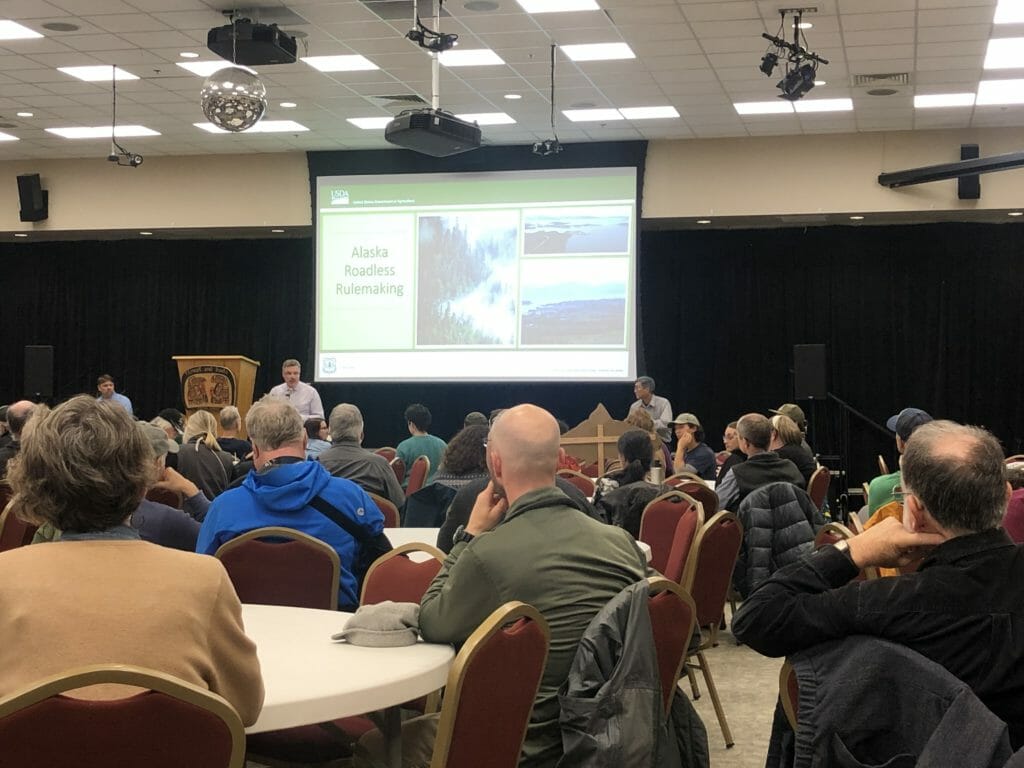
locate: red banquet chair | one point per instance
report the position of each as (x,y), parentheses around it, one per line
(387,452)
(658,525)
(398,467)
(395,576)
(418,474)
(817,486)
(388,509)
(580,480)
(703,493)
(672,615)
(14,532)
(836,532)
(682,541)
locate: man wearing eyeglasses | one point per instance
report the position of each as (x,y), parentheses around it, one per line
(963,607)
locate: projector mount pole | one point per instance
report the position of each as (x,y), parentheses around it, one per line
(435,73)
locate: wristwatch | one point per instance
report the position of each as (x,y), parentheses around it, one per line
(462,535)
(844,547)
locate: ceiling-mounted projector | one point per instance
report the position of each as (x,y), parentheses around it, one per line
(432,132)
(251,43)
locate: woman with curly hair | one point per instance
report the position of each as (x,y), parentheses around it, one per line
(465,458)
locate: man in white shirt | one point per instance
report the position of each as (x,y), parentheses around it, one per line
(302,397)
(658,408)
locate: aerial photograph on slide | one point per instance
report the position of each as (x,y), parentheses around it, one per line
(576,230)
(578,301)
(467,277)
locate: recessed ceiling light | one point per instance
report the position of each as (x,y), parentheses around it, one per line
(648,113)
(1004,53)
(513,96)
(145,233)
(703,221)
(471,57)
(348,63)
(288,105)
(592,115)
(189,55)
(487,118)
(928,100)
(1009,12)
(780,107)
(102,132)
(12,30)
(25,114)
(558,6)
(819,83)
(824,105)
(805,25)
(98,73)
(264,126)
(207,68)
(1015,213)
(598,51)
(856,218)
(1000,92)
(20,234)
(277,231)
(369,123)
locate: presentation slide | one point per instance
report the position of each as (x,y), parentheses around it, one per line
(509,276)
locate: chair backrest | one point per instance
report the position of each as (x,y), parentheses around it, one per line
(490,690)
(883,468)
(395,576)
(855,523)
(708,572)
(387,452)
(14,532)
(172,723)
(388,509)
(682,477)
(398,467)
(789,693)
(300,571)
(672,615)
(836,532)
(1015,459)
(165,496)
(682,541)
(590,470)
(817,486)
(703,493)
(581,481)
(658,525)
(418,474)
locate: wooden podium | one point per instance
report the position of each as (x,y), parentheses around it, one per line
(209,382)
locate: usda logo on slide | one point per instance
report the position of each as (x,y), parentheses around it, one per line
(339,197)
(328,365)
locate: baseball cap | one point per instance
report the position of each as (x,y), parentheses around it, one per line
(686,418)
(794,411)
(906,421)
(157,438)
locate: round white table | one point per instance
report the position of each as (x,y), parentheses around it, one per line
(310,678)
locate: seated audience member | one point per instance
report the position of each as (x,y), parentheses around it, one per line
(316,437)
(475,418)
(1013,520)
(230,424)
(108,596)
(5,433)
(105,387)
(420,442)
(621,496)
(285,490)
(347,458)
(200,459)
(761,467)
(787,441)
(903,424)
(731,441)
(964,605)
(167,427)
(796,413)
(642,420)
(18,415)
(525,541)
(465,458)
(176,419)
(692,454)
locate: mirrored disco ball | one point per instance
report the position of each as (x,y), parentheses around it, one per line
(234,99)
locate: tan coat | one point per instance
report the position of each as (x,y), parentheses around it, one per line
(67,604)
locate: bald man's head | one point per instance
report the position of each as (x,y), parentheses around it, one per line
(18,415)
(522,448)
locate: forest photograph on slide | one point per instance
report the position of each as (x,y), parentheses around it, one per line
(467,278)
(574,301)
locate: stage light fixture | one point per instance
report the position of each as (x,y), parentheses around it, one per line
(797,82)
(801,64)
(768,63)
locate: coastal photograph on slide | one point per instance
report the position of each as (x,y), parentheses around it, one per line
(576,230)
(467,278)
(577,301)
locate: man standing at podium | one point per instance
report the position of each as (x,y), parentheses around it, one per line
(301,396)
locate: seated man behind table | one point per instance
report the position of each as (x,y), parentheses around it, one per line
(100,594)
(525,542)
(761,467)
(964,606)
(347,458)
(280,489)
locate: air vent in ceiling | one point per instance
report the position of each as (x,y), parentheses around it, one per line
(882,80)
(400,10)
(404,98)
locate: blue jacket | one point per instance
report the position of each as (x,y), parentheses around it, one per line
(281,496)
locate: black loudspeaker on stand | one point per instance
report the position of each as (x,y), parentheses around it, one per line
(39,372)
